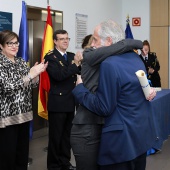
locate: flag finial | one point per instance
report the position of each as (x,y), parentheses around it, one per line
(127,20)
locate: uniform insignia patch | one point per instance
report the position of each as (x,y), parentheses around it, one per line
(61,63)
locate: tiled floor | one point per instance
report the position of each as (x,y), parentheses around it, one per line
(159,161)
(37,153)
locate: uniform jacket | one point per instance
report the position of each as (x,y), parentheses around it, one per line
(127,131)
(92,59)
(153,63)
(62,75)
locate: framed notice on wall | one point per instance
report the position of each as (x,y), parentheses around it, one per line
(5,21)
(81,28)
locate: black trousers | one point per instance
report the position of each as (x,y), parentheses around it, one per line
(14,147)
(59,148)
(138,163)
(85,140)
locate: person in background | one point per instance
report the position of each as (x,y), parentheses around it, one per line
(87,41)
(63,68)
(123,136)
(16,83)
(152,64)
(87,127)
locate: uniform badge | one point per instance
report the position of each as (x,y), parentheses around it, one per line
(61,63)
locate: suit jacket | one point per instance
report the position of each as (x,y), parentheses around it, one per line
(92,59)
(62,75)
(153,63)
(127,131)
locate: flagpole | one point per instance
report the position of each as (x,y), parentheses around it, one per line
(47,2)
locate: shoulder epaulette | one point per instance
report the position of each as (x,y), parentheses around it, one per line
(153,53)
(50,52)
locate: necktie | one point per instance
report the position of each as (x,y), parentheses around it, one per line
(65,56)
(146,59)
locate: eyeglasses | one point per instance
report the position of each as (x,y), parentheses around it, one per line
(11,44)
(63,39)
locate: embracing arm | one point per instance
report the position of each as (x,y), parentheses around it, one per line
(96,56)
(104,101)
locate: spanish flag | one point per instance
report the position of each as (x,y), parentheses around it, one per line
(44,85)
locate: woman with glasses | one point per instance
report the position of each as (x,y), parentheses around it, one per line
(16,82)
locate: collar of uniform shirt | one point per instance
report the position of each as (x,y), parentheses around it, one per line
(61,52)
(145,56)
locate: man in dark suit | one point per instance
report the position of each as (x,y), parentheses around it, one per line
(87,127)
(63,68)
(126,134)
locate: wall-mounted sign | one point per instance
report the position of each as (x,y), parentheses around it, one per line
(5,21)
(81,28)
(136,21)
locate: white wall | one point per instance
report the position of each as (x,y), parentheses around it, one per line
(137,8)
(97,11)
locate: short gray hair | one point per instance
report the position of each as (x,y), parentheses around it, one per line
(110,29)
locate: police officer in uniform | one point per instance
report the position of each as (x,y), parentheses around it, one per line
(152,64)
(63,68)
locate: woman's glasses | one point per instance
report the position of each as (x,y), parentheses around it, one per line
(12,44)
